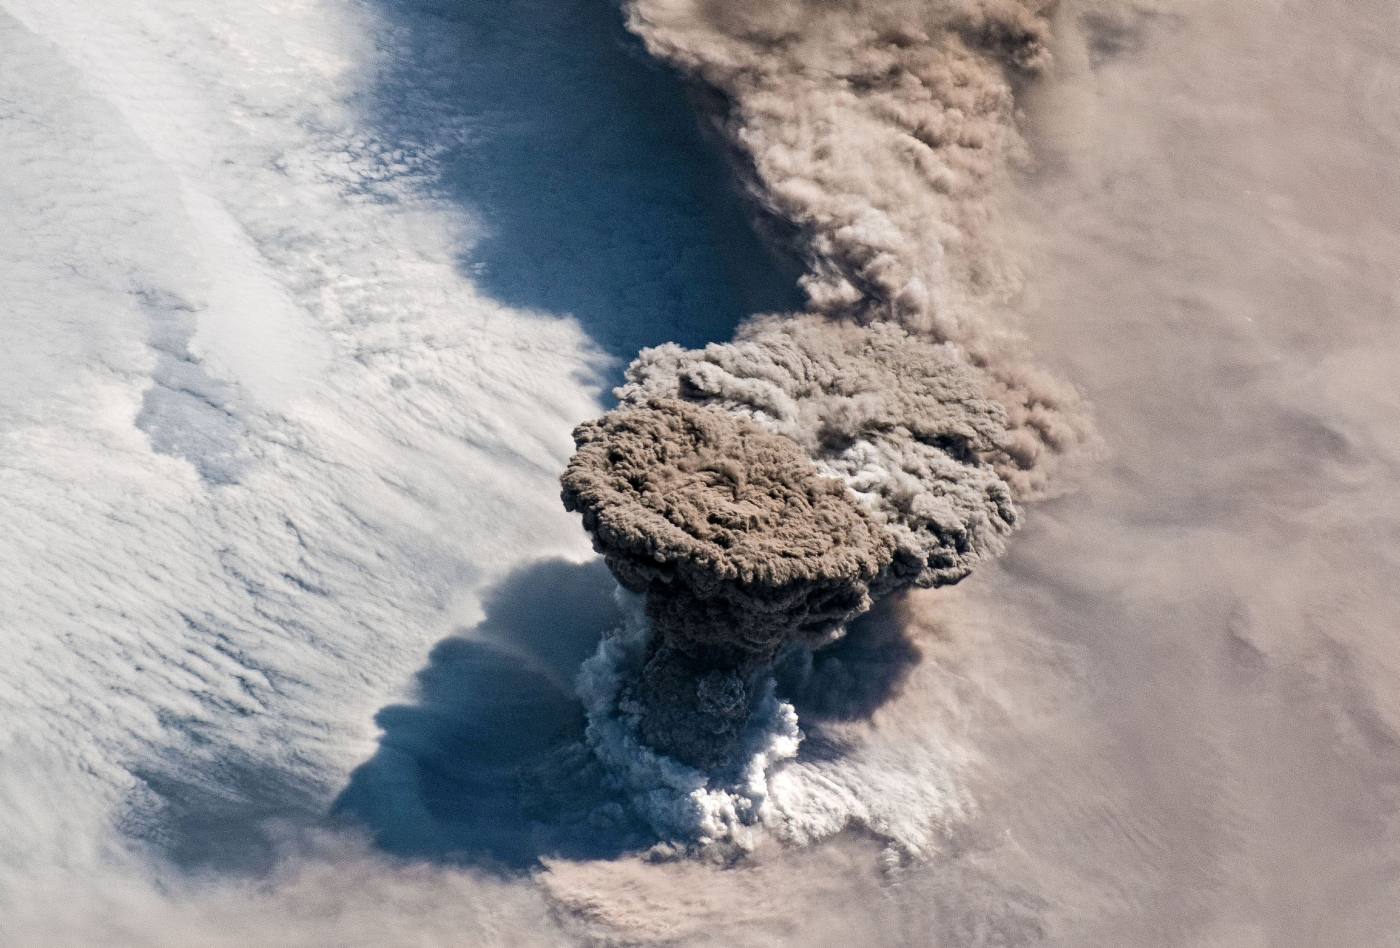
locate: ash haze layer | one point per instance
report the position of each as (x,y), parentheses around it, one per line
(301,302)
(873,134)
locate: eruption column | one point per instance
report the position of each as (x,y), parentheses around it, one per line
(738,543)
(762,492)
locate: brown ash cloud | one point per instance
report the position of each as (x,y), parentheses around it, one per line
(740,546)
(764,491)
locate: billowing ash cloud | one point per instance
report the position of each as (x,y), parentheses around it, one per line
(762,492)
(903,421)
(740,545)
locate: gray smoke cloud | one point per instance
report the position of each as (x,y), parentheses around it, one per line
(764,491)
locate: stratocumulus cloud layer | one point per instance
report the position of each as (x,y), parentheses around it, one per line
(302,302)
(267,435)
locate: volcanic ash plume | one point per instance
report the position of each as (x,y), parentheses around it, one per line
(762,492)
(727,527)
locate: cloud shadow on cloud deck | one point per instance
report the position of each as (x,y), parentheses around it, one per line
(599,194)
(853,677)
(486,767)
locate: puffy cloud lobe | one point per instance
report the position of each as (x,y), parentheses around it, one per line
(905,422)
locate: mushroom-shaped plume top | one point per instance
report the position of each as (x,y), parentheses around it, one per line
(738,540)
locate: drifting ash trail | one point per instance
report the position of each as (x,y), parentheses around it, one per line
(763,492)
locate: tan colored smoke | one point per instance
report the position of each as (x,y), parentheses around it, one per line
(761,491)
(905,422)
